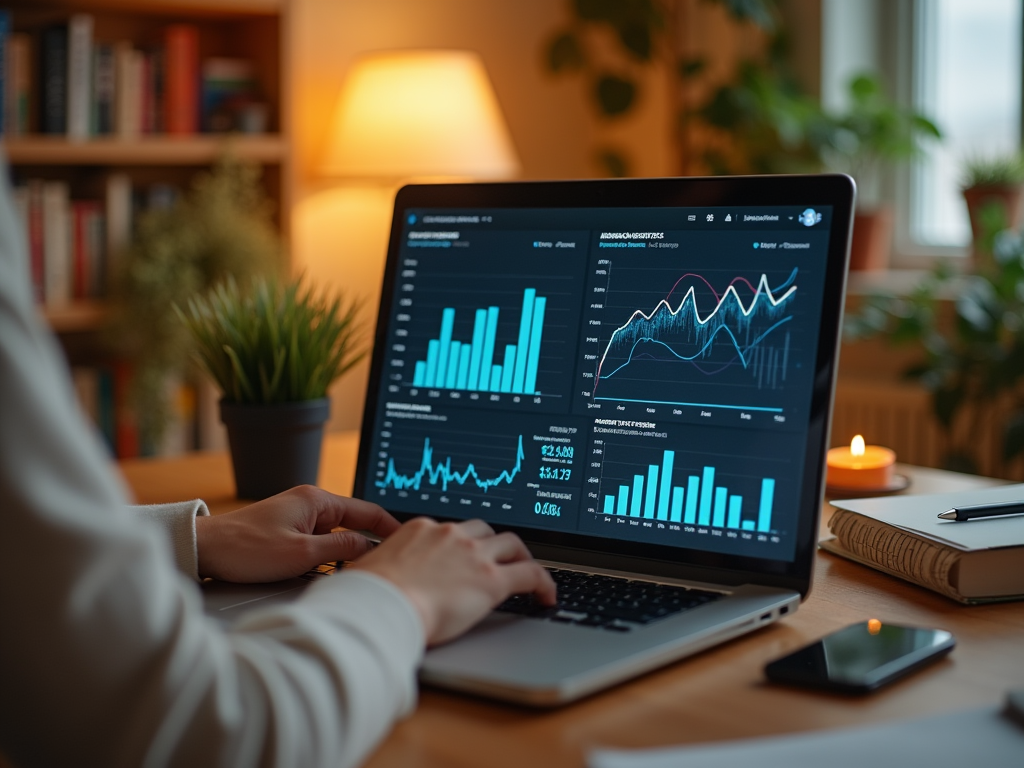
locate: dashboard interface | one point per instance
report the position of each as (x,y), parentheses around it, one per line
(640,374)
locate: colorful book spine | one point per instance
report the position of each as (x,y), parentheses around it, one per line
(96,247)
(17,85)
(35,239)
(129,67)
(119,218)
(181,87)
(58,279)
(79,76)
(54,80)
(126,431)
(103,90)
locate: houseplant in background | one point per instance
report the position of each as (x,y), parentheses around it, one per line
(221,227)
(274,350)
(871,135)
(988,181)
(970,331)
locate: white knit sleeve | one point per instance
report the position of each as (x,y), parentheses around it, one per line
(179,523)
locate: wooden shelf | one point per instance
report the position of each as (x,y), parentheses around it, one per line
(155,150)
(78,317)
(160,7)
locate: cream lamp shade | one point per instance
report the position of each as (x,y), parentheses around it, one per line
(414,114)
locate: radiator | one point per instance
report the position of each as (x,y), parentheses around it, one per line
(899,416)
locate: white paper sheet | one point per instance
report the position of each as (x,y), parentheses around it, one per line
(982,738)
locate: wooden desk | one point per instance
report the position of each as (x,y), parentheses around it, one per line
(719,694)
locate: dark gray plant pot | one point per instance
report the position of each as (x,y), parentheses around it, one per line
(274,447)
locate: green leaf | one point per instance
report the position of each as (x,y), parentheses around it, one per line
(565,53)
(614,95)
(865,87)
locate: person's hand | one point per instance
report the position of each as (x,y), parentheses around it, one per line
(286,535)
(455,573)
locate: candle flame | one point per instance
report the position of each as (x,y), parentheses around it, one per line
(857,446)
(874,626)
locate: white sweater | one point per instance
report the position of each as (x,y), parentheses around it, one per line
(106,658)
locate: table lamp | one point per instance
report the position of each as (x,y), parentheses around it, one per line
(419,114)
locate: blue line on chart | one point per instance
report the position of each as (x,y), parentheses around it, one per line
(702,349)
(443,472)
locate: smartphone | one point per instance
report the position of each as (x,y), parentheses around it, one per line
(861,657)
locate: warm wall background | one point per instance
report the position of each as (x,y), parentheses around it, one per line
(339,230)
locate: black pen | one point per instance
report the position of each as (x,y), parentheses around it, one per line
(978,511)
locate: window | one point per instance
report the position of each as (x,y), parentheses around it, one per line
(967,78)
(958,62)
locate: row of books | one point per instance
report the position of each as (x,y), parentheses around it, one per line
(62,81)
(103,393)
(73,243)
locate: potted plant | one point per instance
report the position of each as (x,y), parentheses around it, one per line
(273,350)
(970,331)
(995,181)
(873,132)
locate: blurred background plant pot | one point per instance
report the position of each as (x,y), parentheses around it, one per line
(872,239)
(1007,197)
(274,447)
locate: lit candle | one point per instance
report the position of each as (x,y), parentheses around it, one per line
(861,466)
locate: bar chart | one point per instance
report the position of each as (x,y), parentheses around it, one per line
(701,501)
(473,365)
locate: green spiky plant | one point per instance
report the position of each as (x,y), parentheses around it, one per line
(274,343)
(982,171)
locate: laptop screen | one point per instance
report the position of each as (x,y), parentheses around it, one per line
(638,374)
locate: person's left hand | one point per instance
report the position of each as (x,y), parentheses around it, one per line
(286,535)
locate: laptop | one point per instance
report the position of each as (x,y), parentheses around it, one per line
(636,377)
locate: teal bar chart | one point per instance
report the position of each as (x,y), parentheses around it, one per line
(475,365)
(651,496)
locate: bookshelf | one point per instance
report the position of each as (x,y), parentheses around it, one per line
(150,148)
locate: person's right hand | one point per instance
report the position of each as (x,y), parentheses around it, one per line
(455,573)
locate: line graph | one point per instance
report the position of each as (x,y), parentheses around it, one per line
(705,335)
(687,327)
(441,473)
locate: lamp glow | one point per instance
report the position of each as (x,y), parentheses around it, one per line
(419,114)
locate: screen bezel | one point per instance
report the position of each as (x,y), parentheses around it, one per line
(835,190)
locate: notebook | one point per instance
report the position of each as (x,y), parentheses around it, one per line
(636,377)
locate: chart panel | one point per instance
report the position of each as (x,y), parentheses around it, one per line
(670,330)
(517,471)
(491,318)
(687,485)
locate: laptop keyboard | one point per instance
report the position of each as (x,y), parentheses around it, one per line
(324,569)
(608,602)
